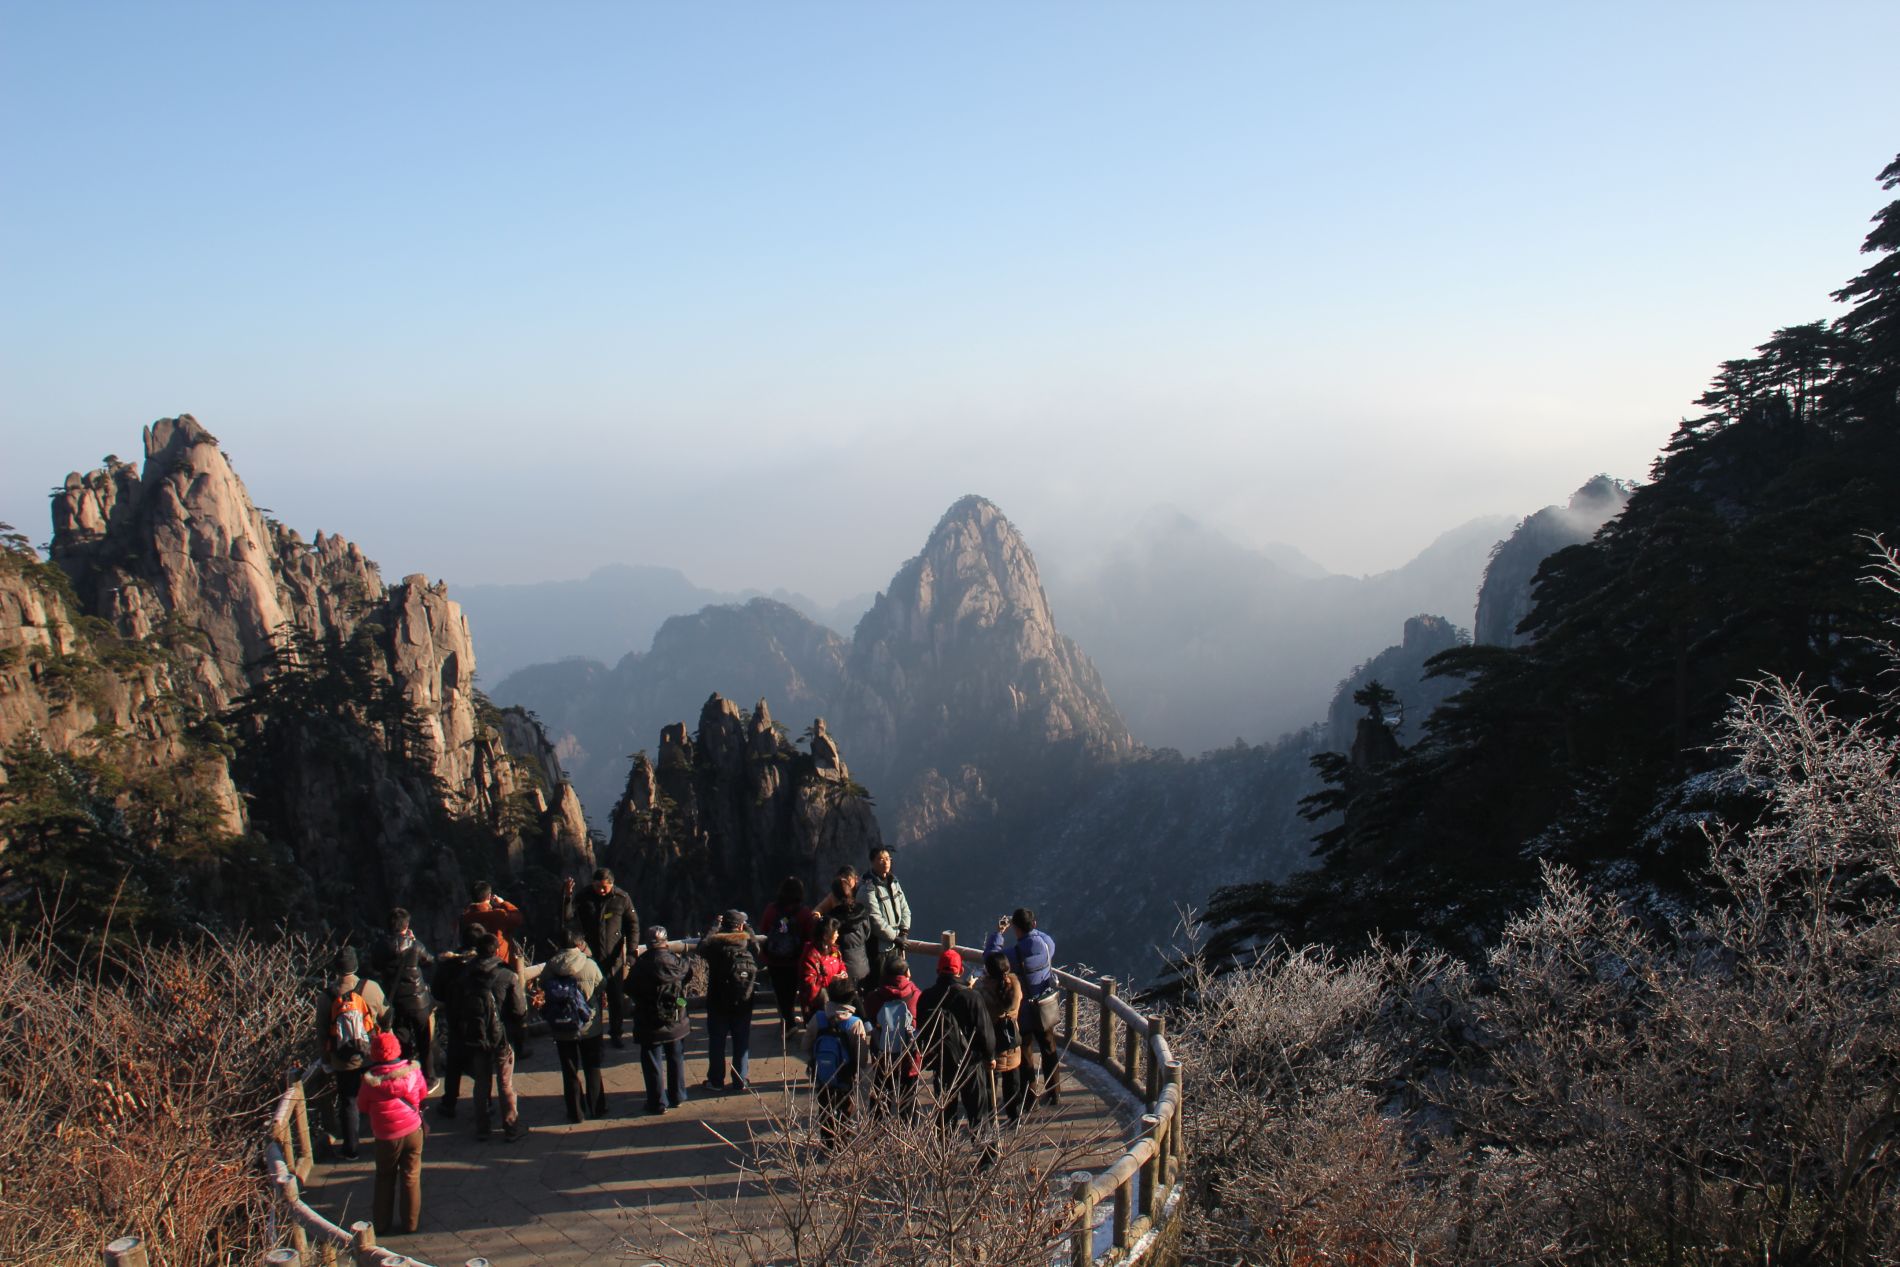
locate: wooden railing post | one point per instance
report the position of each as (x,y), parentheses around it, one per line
(1082,1244)
(1123,1214)
(127,1251)
(1151,1169)
(1131,1058)
(1071,1015)
(1178,1137)
(363,1244)
(949,938)
(1106,1048)
(1157,1029)
(304,1152)
(299,1239)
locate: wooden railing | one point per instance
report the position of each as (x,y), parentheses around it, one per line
(288,1156)
(1142,1189)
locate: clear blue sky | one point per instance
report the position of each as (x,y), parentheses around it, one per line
(504,291)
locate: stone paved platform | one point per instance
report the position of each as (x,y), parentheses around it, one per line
(587,1193)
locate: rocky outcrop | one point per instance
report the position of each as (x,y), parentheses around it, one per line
(718,820)
(961,655)
(1505,598)
(335,716)
(1401,670)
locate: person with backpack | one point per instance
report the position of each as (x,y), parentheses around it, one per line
(450,968)
(492,1013)
(658,984)
(889,910)
(604,916)
(835,1043)
(391,1098)
(398,960)
(787,926)
(1033,960)
(349,1013)
(958,1036)
(1002,997)
(501,919)
(820,965)
(854,926)
(732,977)
(571,998)
(896,1062)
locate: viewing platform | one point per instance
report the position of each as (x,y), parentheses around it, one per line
(631,1186)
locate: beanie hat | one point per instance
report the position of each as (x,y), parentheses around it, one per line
(949,964)
(383,1048)
(732,921)
(345,962)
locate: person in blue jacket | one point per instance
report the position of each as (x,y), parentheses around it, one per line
(1033,960)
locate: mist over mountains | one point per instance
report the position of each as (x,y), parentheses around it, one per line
(611,612)
(1202,640)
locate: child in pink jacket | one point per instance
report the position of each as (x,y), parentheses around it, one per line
(391,1101)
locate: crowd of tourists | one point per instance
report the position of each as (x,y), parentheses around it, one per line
(839,978)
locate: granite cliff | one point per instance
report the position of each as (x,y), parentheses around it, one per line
(719,817)
(330,718)
(1505,598)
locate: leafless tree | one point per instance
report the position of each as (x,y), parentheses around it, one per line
(889,1192)
(134,1094)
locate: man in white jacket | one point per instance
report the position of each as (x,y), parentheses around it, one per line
(890,911)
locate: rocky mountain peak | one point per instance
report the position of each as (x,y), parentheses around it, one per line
(1505,598)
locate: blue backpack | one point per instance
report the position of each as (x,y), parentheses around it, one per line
(832,1058)
(565,1008)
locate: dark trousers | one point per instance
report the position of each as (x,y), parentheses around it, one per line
(348,1119)
(409,1021)
(968,1092)
(785,985)
(1043,1054)
(614,986)
(736,1026)
(894,1091)
(492,1071)
(398,1160)
(1013,1092)
(837,1105)
(454,1065)
(674,1054)
(580,1061)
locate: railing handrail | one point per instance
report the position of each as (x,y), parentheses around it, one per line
(1144,1183)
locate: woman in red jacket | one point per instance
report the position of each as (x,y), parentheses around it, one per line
(391,1098)
(820,965)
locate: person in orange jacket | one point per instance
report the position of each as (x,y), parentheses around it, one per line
(498,916)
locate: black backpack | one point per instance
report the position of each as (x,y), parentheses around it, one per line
(478,1024)
(737,980)
(784,942)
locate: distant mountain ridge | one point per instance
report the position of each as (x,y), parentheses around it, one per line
(612,612)
(1202,640)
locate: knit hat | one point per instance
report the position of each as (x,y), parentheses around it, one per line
(384,1048)
(949,964)
(732,921)
(345,962)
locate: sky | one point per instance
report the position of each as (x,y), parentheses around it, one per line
(509,292)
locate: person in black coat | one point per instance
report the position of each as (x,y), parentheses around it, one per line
(854,926)
(958,1040)
(493,1015)
(397,961)
(658,983)
(604,916)
(732,974)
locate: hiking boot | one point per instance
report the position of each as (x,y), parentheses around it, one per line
(513,1132)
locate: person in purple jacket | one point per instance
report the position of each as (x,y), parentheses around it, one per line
(391,1100)
(1033,960)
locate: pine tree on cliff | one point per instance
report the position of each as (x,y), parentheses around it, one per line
(1743,556)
